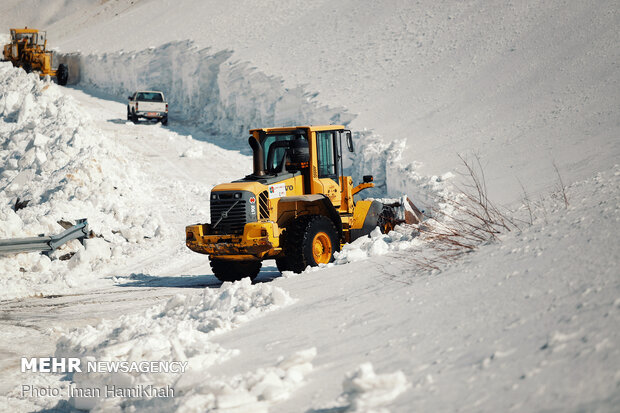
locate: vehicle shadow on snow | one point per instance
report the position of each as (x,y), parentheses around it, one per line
(180,281)
(267,274)
(121,121)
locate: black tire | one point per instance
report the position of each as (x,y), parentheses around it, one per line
(164,120)
(27,67)
(134,117)
(300,241)
(234,270)
(62,74)
(128,114)
(283,264)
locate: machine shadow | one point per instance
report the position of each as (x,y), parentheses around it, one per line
(266,275)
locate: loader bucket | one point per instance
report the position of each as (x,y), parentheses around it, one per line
(402,211)
(412,213)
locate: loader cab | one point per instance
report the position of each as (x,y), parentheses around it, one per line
(315,152)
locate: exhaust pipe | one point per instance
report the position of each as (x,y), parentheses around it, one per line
(259,156)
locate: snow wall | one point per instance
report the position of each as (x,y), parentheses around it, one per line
(227,98)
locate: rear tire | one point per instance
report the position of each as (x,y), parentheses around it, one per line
(164,121)
(134,117)
(309,240)
(62,74)
(234,270)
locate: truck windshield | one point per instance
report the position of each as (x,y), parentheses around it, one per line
(274,161)
(149,97)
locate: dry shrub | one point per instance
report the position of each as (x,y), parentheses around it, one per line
(474,220)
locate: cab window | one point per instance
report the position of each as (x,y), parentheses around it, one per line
(327,155)
(278,152)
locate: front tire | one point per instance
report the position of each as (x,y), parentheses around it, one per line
(310,240)
(134,117)
(225,270)
(283,264)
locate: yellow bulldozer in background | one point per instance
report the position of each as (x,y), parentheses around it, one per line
(28,50)
(296,207)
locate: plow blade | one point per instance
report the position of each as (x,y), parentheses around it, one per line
(402,211)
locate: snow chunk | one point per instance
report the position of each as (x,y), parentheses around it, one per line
(95,249)
(364,391)
(40,139)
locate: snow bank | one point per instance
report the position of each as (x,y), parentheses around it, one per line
(393,177)
(207,87)
(229,97)
(51,156)
(181,330)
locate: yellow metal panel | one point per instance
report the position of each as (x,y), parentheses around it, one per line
(346,183)
(24,31)
(362,186)
(359,215)
(332,190)
(313,128)
(258,239)
(254,187)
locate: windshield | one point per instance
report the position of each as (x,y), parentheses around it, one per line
(274,160)
(30,38)
(149,97)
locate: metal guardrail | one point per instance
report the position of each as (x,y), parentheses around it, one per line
(45,244)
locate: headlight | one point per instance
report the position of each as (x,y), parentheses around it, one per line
(213,196)
(237,195)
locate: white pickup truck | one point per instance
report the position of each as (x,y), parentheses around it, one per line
(147,104)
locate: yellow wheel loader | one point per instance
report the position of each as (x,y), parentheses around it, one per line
(296,207)
(28,50)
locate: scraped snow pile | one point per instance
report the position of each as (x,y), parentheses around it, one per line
(181,330)
(365,391)
(52,157)
(400,239)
